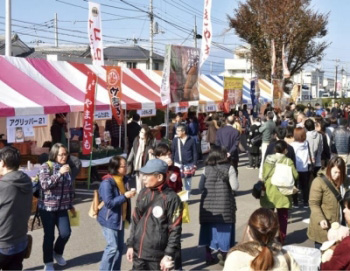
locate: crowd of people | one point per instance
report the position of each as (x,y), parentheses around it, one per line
(302,157)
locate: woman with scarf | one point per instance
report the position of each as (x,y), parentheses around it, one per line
(141,152)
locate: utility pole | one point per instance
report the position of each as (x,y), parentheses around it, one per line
(8,40)
(336,79)
(151,34)
(195,32)
(56,31)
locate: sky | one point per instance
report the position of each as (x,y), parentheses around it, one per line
(124,21)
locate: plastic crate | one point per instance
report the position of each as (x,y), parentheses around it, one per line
(309,259)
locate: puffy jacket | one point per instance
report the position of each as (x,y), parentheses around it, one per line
(341,140)
(110,216)
(156,223)
(218,204)
(15,204)
(316,146)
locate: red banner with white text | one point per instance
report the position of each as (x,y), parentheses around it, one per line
(114,87)
(89,110)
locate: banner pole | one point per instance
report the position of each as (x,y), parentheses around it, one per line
(93,136)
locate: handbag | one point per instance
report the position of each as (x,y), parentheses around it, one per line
(256,140)
(185,213)
(95,206)
(258,187)
(29,247)
(187,171)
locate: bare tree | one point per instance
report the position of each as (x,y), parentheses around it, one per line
(288,22)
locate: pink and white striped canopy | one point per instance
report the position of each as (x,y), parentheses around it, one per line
(37,86)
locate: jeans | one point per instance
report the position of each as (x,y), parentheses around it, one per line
(61,221)
(12,262)
(188,181)
(112,255)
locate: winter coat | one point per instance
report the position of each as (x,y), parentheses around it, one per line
(301,155)
(324,206)
(156,224)
(271,150)
(110,215)
(218,204)
(150,145)
(273,198)
(212,131)
(229,138)
(254,131)
(316,146)
(341,140)
(15,206)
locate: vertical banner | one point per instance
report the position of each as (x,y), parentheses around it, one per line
(95,34)
(206,32)
(295,93)
(184,76)
(114,87)
(273,59)
(233,90)
(252,92)
(88,118)
(286,73)
(165,86)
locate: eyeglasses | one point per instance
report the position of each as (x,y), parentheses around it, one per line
(62,154)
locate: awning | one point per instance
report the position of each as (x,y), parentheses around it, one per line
(37,86)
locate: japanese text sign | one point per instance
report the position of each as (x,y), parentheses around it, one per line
(181,109)
(146,112)
(95,34)
(24,121)
(88,118)
(103,114)
(114,87)
(206,32)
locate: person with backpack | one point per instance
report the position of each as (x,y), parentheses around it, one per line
(55,199)
(279,197)
(115,213)
(15,207)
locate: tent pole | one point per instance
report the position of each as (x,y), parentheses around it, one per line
(167,122)
(125,131)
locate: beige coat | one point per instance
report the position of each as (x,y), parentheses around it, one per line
(240,261)
(324,206)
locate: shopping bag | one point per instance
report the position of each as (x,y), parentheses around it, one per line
(74,218)
(185,213)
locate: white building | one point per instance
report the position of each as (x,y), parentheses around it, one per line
(240,65)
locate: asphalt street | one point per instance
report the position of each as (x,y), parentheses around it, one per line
(85,247)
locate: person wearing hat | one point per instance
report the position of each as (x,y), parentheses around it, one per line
(156,222)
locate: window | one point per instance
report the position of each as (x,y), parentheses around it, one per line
(131,65)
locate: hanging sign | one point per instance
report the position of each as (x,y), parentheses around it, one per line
(146,113)
(211,108)
(114,87)
(22,121)
(95,34)
(103,114)
(88,119)
(181,109)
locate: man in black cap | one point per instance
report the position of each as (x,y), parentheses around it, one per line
(156,222)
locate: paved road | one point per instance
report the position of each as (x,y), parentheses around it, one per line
(85,247)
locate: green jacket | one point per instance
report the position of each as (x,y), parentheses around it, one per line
(323,206)
(273,198)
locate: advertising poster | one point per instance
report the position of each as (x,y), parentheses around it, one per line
(184,73)
(233,90)
(88,118)
(114,87)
